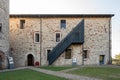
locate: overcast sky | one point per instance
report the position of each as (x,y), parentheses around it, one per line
(73,7)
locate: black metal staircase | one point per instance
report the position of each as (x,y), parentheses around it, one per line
(75,36)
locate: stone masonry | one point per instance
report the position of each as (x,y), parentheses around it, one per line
(97,38)
(4,33)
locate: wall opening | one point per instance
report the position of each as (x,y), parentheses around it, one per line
(57,37)
(30,60)
(2,58)
(22,24)
(0,62)
(48,51)
(102,59)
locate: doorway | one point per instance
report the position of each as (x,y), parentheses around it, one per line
(30,60)
(102,59)
(0,62)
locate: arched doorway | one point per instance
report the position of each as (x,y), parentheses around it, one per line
(30,60)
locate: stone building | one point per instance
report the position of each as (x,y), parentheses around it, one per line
(4,33)
(60,39)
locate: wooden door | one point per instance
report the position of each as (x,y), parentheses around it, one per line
(30,60)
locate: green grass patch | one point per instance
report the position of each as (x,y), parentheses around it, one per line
(105,73)
(27,74)
(56,68)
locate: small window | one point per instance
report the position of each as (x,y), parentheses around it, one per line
(36,37)
(68,54)
(57,37)
(63,24)
(85,55)
(22,24)
(0,27)
(48,51)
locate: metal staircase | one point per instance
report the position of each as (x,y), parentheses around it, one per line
(75,36)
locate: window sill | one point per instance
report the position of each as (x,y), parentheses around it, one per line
(85,59)
(68,59)
(36,42)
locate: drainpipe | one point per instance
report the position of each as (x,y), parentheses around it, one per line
(83,45)
(40,40)
(82,54)
(110,60)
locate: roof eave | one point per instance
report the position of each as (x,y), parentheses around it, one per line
(58,15)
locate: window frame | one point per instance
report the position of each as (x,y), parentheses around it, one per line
(70,57)
(63,24)
(85,54)
(22,24)
(56,40)
(35,37)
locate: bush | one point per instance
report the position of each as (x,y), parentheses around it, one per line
(116,61)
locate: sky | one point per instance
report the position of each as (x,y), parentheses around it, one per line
(73,7)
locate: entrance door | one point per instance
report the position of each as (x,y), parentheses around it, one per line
(0,62)
(30,60)
(102,59)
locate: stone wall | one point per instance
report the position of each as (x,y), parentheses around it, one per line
(96,43)
(96,39)
(76,53)
(51,26)
(22,40)
(4,33)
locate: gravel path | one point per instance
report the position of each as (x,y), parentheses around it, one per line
(55,73)
(5,70)
(61,74)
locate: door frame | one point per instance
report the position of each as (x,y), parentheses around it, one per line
(102,59)
(0,62)
(30,57)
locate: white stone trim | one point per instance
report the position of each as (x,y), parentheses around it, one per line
(36,32)
(28,54)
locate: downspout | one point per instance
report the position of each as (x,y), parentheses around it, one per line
(82,54)
(83,46)
(110,60)
(40,40)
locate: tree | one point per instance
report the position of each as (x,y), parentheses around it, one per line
(117,56)
(117,59)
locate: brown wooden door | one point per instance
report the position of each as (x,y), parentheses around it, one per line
(30,59)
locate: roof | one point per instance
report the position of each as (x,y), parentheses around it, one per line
(58,15)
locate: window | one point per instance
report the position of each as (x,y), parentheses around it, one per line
(48,51)
(85,54)
(22,24)
(68,54)
(36,37)
(57,37)
(0,27)
(63,24)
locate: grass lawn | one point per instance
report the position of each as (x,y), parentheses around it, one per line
(105,73)
(27,74)
(56,68)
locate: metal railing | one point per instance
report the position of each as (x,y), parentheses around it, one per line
(75,36)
